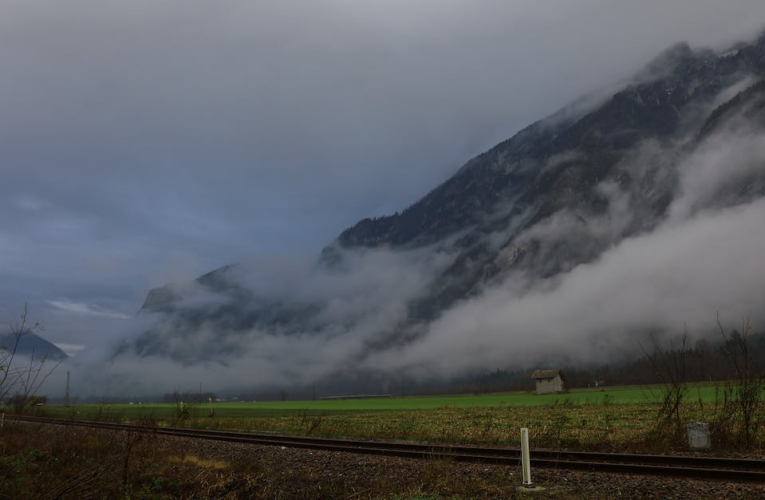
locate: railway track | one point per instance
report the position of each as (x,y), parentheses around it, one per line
(708,468)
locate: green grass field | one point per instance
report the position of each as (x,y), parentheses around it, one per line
(611,419)
(611,395)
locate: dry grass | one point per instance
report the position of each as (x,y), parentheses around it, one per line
(47,462)
(198,462)
(601,427)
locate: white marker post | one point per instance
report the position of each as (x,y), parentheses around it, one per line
(525,460)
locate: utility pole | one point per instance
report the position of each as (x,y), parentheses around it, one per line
(66,393)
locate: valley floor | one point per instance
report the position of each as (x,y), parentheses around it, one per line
(615,419)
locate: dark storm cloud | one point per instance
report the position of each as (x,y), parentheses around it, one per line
(150,141)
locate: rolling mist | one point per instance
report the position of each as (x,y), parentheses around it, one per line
(592,284)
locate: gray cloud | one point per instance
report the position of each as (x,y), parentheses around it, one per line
(704,258)
(148,142)
(695,263)
(85,309)
(682,273)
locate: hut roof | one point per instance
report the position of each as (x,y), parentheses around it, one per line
(544,374)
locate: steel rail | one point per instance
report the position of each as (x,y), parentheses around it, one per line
(726,469)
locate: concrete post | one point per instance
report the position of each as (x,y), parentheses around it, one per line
(525,459)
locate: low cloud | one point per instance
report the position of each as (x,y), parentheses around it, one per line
(70,349)
(85,309)
(704,257)
(682,273)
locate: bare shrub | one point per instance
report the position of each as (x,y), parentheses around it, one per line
(184,409)
(20,380)
(670,367)
(737,412)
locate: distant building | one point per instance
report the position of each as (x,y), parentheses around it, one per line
(356,396)
(549,381)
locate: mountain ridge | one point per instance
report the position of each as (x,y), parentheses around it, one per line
(597,176)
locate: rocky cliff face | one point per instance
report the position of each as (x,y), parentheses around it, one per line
(554,196)
(559,167)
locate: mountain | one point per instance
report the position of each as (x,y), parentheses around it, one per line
(31,343)
(556,165)
(557,195)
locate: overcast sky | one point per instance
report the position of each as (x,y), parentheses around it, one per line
(149,141)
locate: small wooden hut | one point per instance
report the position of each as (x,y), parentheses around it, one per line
(549,381)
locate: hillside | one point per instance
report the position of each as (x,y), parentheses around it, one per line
(30,344)
(557,195)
